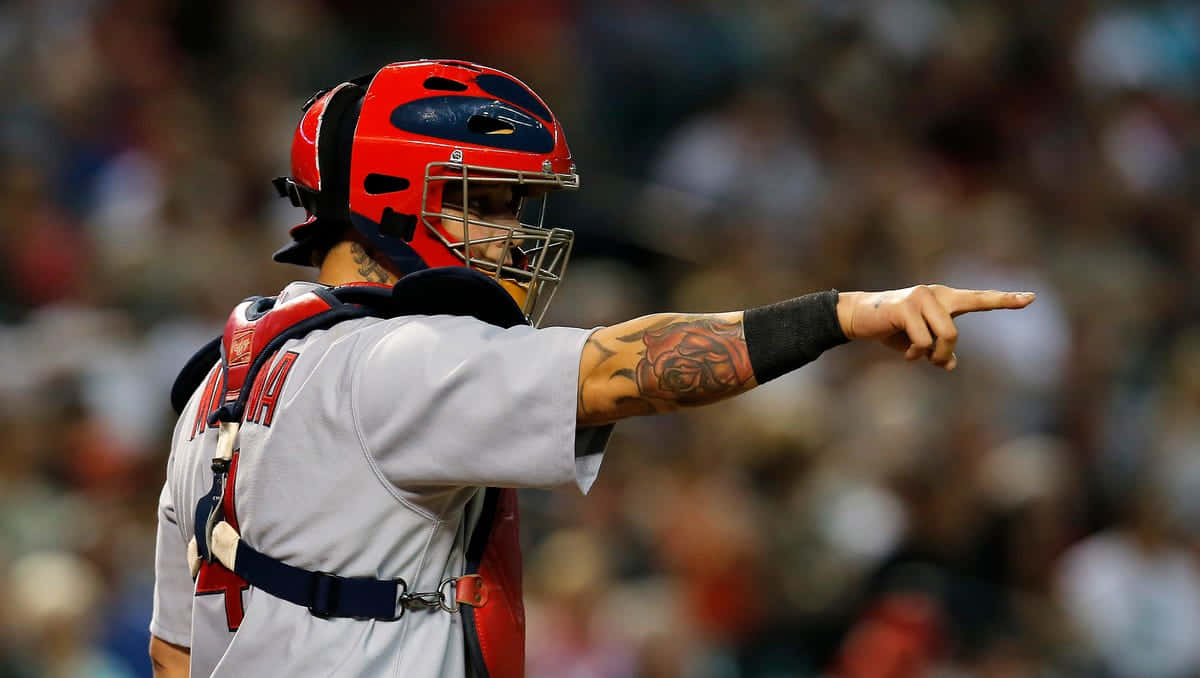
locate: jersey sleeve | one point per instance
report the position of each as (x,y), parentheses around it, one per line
(172,618)
(452,401)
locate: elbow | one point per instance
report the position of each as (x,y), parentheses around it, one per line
(169,660)
(601,403)
(592,408)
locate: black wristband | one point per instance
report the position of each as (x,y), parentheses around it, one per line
(784,336)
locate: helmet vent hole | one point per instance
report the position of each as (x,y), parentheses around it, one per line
(445,84)
(483,125)
(384,183)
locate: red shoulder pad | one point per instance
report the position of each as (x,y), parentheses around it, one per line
(247,334)
(286,315)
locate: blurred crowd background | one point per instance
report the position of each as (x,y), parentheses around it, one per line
(1034,513)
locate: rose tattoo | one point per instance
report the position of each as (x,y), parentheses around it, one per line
(693,358)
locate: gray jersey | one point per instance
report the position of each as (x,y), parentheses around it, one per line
(360,457)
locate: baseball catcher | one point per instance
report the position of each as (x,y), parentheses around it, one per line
(340,494)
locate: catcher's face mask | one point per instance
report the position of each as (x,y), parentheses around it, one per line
(487,223)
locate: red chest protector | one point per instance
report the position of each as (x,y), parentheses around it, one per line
(488,596)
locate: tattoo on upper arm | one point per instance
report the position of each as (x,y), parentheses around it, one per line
(367,267)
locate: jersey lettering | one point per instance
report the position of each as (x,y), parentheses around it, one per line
(213,579)
(267,391)
(256,391)
(207,403)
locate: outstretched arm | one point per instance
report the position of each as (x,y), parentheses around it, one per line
(662,362)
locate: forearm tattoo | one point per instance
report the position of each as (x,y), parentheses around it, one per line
(680,360)
(367,267)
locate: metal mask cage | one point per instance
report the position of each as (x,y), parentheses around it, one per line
(544,251)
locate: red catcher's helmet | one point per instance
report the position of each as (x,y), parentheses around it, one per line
(374,154)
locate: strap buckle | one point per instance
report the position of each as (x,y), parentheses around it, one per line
(453,606)
(423,600)
(325,595)
(445,598)
(401,595)
(469,590)
(216,512)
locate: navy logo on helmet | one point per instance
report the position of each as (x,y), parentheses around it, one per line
(475,120)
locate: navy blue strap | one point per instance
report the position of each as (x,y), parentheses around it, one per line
(204,509)
(325,595)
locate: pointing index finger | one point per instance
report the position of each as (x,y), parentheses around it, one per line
(969,301)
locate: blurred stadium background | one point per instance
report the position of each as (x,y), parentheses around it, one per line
(1032,514)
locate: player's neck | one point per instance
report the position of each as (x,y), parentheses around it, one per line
(349,262)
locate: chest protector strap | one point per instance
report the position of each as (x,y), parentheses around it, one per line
(488,594)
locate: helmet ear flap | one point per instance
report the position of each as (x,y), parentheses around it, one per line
(321,184)
(335,140)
